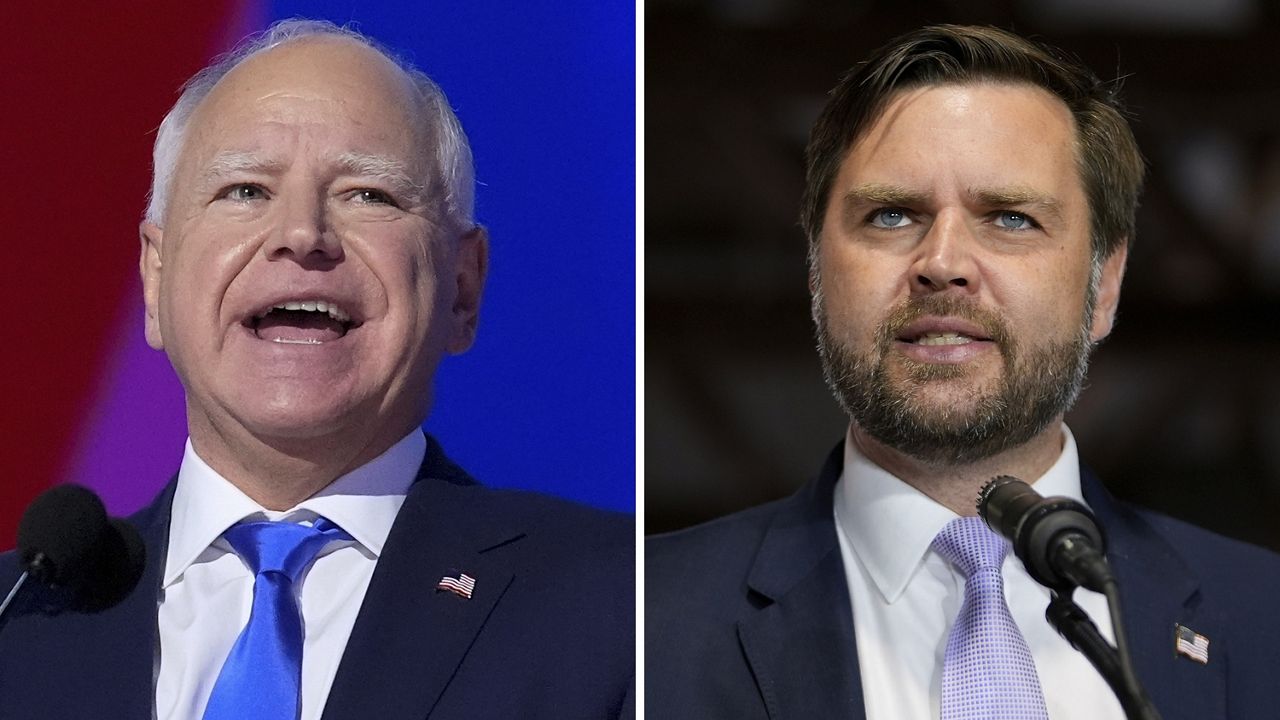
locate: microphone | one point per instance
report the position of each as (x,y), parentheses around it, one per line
(1056,538)
(66,541)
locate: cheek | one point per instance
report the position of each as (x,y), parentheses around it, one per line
(197,278)
(408,272)
(184,292)
(1047,299)
(858,291)
(434,297)
(1070,280)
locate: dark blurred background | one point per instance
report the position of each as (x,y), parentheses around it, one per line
(1181,413)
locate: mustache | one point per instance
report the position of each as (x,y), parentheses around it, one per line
(915,308)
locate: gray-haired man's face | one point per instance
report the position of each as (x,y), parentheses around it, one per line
(303,283)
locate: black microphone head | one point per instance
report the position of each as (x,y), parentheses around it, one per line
(1056,517)
(1034,523)
(118,568)
(59,532)
(1004,501)
(66,540)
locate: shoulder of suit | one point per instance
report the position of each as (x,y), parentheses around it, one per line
(1214,555)
(10,569)
(554,520)
(1234,580)
(712,535)
(711,557)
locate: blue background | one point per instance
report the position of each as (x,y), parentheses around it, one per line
(546,93)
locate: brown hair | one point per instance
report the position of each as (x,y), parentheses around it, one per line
(1111,165)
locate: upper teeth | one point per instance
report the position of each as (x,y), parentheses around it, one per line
(334,311)
(943,338)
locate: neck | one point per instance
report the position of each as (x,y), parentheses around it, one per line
(956,486)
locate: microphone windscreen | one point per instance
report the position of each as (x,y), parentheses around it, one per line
(119,567)
(59,533)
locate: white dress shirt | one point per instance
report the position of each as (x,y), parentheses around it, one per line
(207,589)
(906,597)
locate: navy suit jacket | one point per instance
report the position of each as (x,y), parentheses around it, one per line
(548,632)
(749,616)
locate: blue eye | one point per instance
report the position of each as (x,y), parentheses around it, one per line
(1010,220)
(244,192)
(890,218)
(374,197)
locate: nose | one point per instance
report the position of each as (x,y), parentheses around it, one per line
(945,259)
(304,234)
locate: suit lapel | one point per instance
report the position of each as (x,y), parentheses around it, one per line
(1159,591)
(799,643)
(134,640)
(409,637)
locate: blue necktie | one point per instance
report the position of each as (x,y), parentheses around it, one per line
(262,676)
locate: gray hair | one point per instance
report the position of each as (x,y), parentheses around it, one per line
(455,174)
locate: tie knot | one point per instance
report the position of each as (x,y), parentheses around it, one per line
(971,546)
(281,546)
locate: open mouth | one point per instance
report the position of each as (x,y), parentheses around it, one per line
(303,322)
(943,338)
(942,332)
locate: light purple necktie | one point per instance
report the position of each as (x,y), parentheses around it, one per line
(987,671)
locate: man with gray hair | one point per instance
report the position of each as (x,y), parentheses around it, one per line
(308,257)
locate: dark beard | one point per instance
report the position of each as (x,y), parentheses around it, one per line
(1038,385)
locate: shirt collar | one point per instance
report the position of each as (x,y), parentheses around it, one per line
(891,525)
(364,503)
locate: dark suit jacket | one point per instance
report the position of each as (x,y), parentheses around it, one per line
(548,633)
(749,616)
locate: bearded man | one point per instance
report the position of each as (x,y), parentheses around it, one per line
(970,199)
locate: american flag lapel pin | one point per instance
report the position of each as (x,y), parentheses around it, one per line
(461,585)
(1191,644)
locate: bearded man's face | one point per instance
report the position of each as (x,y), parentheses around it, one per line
(955,291)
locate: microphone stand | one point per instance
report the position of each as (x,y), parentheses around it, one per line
(1074,624)
(37,566)
(16,587)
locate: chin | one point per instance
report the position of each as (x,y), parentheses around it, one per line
(947,385)
(942,415)
(298,413)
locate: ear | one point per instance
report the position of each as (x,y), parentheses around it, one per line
(149,266)
(1108,298)
(472,266)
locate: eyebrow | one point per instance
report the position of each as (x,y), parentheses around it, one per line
(383,169)
(1001,197)
(854,202)
(230,162)
(884,194)
(1019,196)
(392,173)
